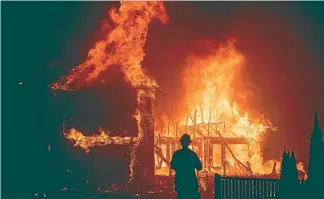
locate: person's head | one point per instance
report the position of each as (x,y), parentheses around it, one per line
(185,141)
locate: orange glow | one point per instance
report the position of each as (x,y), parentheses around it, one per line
(207,91)
(300,168)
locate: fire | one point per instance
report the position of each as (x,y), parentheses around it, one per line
(208,91)
(208,84)
(123,47)
(87,142)
(208,88)
(300,168)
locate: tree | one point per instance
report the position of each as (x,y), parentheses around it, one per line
(294,182)
(289,182)
(316,160)
(284,174)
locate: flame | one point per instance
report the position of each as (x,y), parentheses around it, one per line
(87,142)
(123,47)
(300,168)
(208,85)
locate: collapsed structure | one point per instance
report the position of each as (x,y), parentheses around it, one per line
(218,152)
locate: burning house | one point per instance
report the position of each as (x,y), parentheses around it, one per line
(226,138)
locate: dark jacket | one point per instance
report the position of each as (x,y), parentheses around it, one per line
(184,162)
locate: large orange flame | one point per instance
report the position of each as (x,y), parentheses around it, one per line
(123,47)
(208,84)
(208,91)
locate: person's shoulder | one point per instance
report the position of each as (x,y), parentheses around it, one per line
(177,152)
(193,152)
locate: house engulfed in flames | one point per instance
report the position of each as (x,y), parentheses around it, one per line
(226,139)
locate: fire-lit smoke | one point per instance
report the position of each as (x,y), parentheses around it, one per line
(122,48)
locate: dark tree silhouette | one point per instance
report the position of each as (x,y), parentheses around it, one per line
(284,173)
(316,161)
(294,180)
(289,182)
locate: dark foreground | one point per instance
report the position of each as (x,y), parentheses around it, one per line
(102,196)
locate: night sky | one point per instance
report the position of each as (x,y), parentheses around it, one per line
(283,43)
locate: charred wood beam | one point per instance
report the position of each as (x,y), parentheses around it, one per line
(172,122)
(200,133)
(195,116)
(249,167)
(158,152)
(194,122)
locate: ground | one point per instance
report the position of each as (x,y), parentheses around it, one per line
(103,196)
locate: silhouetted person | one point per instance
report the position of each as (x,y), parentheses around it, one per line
(185,162)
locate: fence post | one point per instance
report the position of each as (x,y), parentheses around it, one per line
(217,186)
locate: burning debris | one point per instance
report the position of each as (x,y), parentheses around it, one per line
(87,142)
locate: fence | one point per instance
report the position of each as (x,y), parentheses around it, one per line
(245,188)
